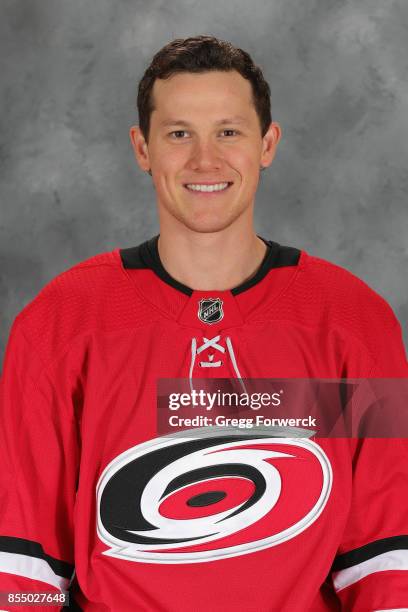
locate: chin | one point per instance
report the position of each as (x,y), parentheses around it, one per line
(205,221)
(207,226)
(208,229)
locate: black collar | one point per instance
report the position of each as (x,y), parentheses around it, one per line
(146,255)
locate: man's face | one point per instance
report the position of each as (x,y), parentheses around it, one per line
(204,131)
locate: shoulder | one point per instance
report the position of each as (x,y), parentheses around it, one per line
(93,294)
(342,288)
(340,297)
(82,282)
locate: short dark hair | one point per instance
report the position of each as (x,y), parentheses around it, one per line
(202,54)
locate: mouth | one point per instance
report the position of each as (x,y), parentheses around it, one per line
(207,189)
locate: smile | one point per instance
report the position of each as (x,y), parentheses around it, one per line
(208,188)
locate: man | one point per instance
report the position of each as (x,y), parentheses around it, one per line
(164,523)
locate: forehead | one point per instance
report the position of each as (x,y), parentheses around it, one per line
(208,92)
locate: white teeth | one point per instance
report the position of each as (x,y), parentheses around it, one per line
(216,187)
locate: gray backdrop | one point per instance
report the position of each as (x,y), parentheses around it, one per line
(70,187)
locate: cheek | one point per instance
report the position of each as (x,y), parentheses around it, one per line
(167,171)
(243,160)
(171,165)
(168,160)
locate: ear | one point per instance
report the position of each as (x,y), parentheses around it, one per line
(270,143)
(139,147)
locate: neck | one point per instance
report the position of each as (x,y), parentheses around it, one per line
(211,261)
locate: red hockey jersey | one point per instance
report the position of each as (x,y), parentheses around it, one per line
(93,499)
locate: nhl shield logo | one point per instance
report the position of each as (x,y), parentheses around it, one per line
(210,310)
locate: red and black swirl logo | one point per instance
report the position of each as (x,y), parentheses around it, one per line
(196,499)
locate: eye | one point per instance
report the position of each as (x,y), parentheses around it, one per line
(178,132)
(230,130)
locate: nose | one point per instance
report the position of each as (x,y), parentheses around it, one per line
(205,155)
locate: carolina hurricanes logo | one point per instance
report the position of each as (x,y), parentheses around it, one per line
(195,499)
(210,310)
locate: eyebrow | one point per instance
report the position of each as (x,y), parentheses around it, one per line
(227,120)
